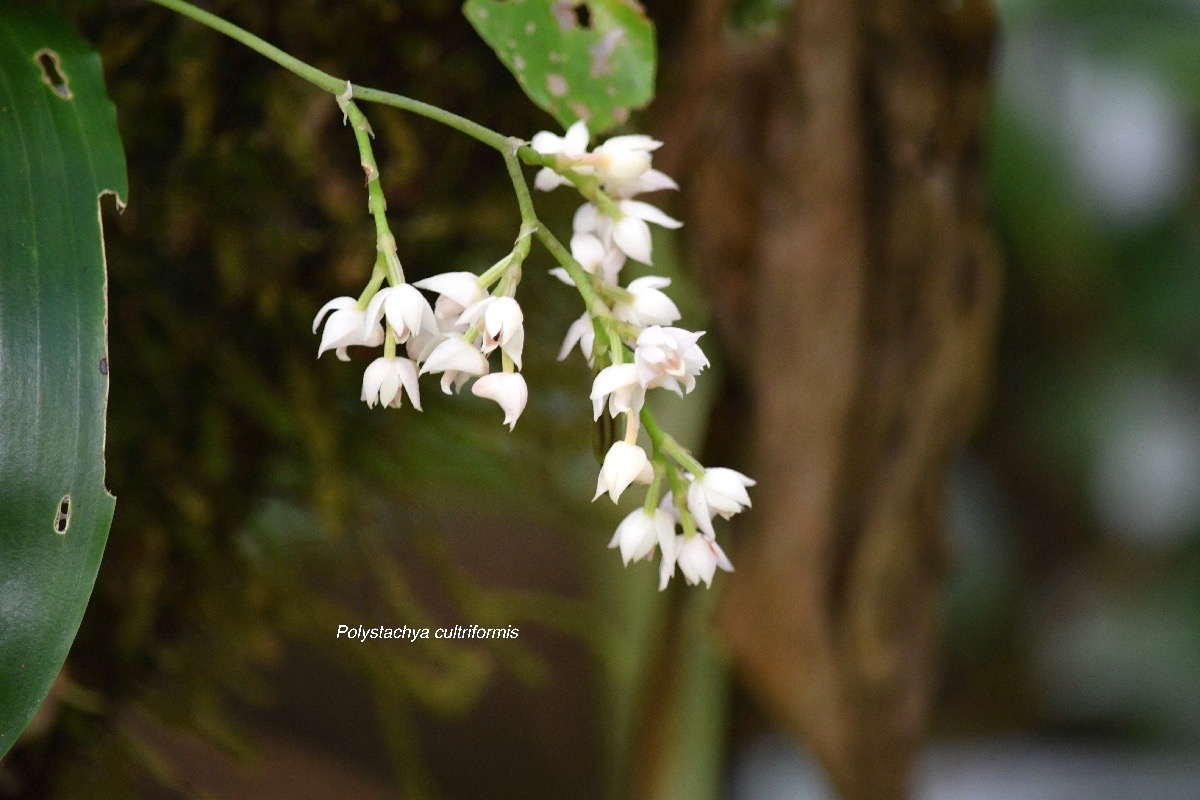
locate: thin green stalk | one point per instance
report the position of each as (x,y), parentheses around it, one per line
(596,307)
(666,444)
(493,139)
(385,242)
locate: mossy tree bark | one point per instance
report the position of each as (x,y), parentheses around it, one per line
(837,209)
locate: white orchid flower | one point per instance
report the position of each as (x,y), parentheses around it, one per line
(639,532)
(572,146)
(383,380)
(406,309)
(503,325)
(722,492)
(345,327)
(698,557)
(669,357)
(623,464)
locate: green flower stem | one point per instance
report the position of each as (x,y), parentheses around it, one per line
(589,187)
(376,202)
(679,493)
(665,443)
(377,276)
(614,345)
(597,309)
(655,490)
(493,139)
(529,217)
(389,343)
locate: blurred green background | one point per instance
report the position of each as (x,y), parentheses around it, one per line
(260,504)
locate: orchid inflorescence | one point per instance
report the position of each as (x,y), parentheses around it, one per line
(626,334)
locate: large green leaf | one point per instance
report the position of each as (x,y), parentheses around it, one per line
(59,151)
(592,60)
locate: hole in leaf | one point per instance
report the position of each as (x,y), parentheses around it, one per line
(583,15)
(52,73)
(63,518)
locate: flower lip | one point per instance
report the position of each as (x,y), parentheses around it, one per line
(508,389)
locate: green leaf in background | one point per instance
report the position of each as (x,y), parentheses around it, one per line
(59,151)
(591,60)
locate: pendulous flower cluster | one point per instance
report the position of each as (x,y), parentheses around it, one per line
(627,335)
(453,337)
(635,348)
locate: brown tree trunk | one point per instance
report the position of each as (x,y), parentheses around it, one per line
(837,207)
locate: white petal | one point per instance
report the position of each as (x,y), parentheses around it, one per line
(636,536)
(587,219)
(651,181)
(515,345)
(503,318)
(576,140)
(407,310)
(648,282)
(420,346)
(622,464)
(508,389)
(635,141)
(372,379)
(407,371)
(588,250)
(609,380)
(722,560)
(455,354)
(581,331)
(374,312)
(461,287)
(336,303)
(636,208)
(473,312)
(697,504)
(669,559)
(548,180)
(562,275)
(547,143)
(343,328)
(632,235)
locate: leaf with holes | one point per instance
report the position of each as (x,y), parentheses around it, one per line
(592,60)
(60,152)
